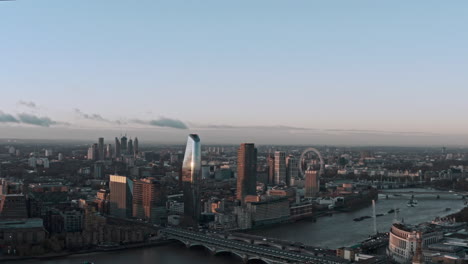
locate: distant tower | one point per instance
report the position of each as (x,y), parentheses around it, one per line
(312,183)
(191,173)
(117,148)
(123,144)
(136,147)
(101,149)
(109,151)
(246,171)
(292,170)
(271,169)
(130,147)
(93,152)
(280,167)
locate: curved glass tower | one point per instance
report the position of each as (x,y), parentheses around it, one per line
(191,173)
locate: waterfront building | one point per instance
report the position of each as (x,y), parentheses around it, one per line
(280,167)
(292,170)
(246,170)
(191,173)
(273,210)
(21,235)
(312,183)
(403,240)
(101,148)
(121,192)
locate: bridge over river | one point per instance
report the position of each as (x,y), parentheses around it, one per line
(429,194)
(249,249)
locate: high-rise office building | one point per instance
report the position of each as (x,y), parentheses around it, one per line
(130,147)
(280,167)
(312,182)
(292,170)
(93,152)
(246,170)
(121,196)
(149,200)
(101,149)
(135,146)
(191,173)
(271,169)
(123,144)
(109,151)
(117,148)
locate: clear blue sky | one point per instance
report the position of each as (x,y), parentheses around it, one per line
(246,67)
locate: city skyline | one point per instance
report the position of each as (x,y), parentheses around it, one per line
(356,73)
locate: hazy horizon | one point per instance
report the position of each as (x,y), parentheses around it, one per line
(268,72)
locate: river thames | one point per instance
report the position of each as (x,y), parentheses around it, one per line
(329,231)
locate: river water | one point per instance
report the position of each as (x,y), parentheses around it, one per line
(329,231)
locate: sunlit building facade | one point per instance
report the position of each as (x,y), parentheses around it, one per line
(312,183)
(404,239)
(121,196)
(191,174)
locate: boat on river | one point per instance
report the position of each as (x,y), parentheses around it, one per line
(412,203)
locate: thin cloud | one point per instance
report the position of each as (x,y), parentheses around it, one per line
(7,118)
(29,119)
(278,127)
(36,120)
(162,122)
(29,104)
(95,117)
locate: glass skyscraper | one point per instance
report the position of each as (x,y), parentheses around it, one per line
(191,174)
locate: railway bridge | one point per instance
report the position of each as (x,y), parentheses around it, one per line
(249,249)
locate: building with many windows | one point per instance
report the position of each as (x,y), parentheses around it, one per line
(149,200)
(404,240)
(121,196)
(246,171)
(191,174)
(280,167)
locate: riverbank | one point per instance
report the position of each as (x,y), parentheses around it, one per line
(460,216)
(86,251)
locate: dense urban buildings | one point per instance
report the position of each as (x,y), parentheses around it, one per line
(74,196)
